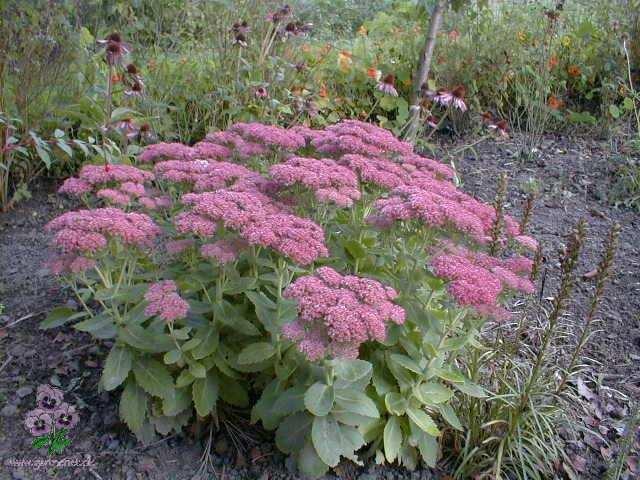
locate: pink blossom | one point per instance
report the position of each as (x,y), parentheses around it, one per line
(237,144)
(87,230)
(187,222)
(329,181)
(176,247)
(75,186)
(166,151)
(210,151)
(205,175)
(353,136)
(48,397)
(113,196)
(270,135)
(65,416)
(165,301)
(224,251)
(39,422)
(527,242)
(336,313)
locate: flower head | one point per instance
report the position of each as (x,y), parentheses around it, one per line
(336,313)
(165,301)
(48,397)
(39,422)
(388,85)
(65,416)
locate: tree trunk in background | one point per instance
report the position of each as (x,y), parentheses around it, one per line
(423,68)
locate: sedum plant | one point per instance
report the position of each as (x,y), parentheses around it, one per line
(331,281)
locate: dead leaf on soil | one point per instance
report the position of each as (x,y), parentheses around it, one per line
(585,391)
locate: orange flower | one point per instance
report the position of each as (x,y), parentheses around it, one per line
(344,60)
(553,62)
(115,78)
(374,73)
(306,48)
(555,103)
(454,35)
(574,71)
(323,91)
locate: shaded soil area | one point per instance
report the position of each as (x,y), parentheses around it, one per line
(574,177)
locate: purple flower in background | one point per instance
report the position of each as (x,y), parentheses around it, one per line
(65,416)
(261,92)
(49,397)
(39,422)
(388,85)
(115,48)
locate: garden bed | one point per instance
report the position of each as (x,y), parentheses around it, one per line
(572,187)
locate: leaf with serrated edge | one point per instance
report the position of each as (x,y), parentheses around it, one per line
(133,405)
(116,367)
(392,438)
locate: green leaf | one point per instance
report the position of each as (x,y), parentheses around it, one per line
(292,432)
(429,449)
(327,439)
(205,394)
(190,344)
(95,324)
(144,340)
(232,392)
(627,104)
(133,405)
(255,353)
(116,367)
(392,438)
(355,249)
(185,378)
(352,373)
(291,400)
(356,402)
(450,375)
(423,420)
(310,463)
(209,342)
(154,377)
(197,369)
(172,356)
(432,393)
(178,402)
(396,404)
(40,442)
(450,416)
(471,389)
(406,362)
(319,399)
(614,111)
(57,317)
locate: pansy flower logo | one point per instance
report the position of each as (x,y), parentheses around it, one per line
(51,420)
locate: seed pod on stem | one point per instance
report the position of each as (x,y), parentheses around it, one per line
(498,224)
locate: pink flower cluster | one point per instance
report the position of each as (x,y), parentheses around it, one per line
(337,313)
(237,144)
(51,413)
(165,302)
(477,279)
(116,183)
(271,135)
(86,231)
(224,251)
(329,181)
(440,204)
(353,136)
(166,151)
(258,220)
(204,175)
